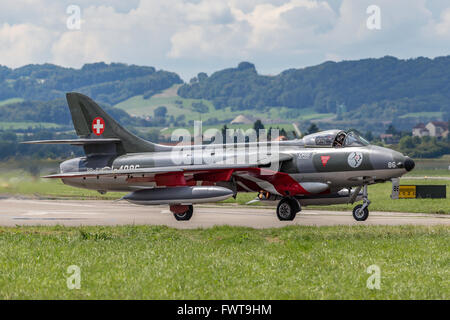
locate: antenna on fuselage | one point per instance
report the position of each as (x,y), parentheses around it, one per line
(297,130)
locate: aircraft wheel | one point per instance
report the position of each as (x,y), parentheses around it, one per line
(360,214)
(287,209)
(184,216)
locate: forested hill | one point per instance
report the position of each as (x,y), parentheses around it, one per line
(106,83)
(386,89)
(56,111)
(381,88)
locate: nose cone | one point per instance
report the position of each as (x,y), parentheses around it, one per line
(409,164)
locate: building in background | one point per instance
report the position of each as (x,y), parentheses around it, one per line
(388,138)
(419,130)
(241,119)
(437,129)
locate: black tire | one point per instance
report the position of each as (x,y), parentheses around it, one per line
(287,209)
(358,215)
(296,205)
(185,216)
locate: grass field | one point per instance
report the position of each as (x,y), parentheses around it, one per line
(154,262)
(139,106)
(18,182)
(428,173)
(439,166)
(11,100)
(26,125)
(427,115)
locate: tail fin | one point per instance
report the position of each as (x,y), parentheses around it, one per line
(91,121)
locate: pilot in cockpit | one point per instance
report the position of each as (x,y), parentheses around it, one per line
(339,140)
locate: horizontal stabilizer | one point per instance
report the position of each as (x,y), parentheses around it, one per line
(75,142)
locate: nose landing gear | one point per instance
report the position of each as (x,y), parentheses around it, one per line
(361,211)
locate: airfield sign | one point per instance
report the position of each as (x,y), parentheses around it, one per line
(407,192)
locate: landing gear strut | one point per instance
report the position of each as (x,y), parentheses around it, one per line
(361,211)
(182,212)
(287,209)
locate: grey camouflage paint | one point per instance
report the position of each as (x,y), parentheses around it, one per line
(308,160)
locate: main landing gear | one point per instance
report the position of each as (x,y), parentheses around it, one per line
(287,209)
(361,211)
(182,212)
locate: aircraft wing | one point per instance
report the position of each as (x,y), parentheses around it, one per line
(140,171)
(220,166)
(249,177)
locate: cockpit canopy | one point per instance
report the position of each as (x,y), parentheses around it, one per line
(334,138)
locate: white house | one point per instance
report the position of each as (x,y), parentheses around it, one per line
(433,129)
(437,128)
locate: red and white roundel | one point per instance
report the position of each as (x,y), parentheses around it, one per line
(98,126)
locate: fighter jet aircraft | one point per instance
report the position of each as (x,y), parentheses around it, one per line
(324,168)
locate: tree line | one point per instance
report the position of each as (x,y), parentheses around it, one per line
(106,83)
(384,88)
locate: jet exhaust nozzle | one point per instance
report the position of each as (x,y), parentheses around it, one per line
(179,195)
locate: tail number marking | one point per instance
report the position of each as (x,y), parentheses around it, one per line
(392,165)
(129,167)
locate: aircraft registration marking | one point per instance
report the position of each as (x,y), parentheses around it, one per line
(305,156)
(130,167)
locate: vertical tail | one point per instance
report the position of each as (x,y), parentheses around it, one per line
(91,121)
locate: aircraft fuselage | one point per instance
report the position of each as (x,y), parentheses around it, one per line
(336,168)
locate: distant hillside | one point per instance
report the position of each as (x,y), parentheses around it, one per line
(56,111)
(366,94)
(384,88)
(106,83)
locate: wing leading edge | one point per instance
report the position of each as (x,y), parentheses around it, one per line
(75,142)
(170,169)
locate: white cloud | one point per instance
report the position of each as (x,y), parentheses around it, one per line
(443,26)
(266,28)
(186,36)
(212,41)
(77,48)
(23,43)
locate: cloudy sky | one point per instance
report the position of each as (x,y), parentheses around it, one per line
(189,36)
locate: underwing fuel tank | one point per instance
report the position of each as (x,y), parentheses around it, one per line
(179,195)
(342,197)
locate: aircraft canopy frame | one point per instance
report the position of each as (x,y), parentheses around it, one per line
(335,139)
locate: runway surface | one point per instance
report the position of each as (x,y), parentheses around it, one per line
(75,213)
